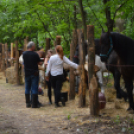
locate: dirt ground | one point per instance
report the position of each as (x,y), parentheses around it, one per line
(15,118)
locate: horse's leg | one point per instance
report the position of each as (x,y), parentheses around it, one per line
(100,80)
(129,87)
(120,93)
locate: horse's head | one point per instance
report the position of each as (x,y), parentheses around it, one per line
(106,46)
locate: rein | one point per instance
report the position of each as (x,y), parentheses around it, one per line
(110,49)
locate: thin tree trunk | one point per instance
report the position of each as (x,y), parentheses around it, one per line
(83,15)
(110,21)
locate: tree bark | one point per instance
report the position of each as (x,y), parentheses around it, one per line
(83,15)
(82,84)
(73,45)
(92,83)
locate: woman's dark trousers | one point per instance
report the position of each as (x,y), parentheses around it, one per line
(56,82)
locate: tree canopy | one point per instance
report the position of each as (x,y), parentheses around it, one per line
(38,19)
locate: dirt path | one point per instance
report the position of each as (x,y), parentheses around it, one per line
(15,118)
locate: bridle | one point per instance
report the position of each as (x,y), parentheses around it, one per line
(110,49)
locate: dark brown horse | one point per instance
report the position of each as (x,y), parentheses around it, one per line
(124,47)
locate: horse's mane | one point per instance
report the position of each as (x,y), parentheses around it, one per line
(124,47)
(118,35)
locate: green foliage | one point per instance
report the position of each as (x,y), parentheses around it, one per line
(39,19)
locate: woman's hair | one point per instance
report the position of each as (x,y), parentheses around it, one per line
(59,50)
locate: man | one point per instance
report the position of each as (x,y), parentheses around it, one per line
(31,61)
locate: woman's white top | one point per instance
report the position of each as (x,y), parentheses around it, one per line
(55,65)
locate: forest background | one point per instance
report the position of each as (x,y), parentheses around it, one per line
(40,19)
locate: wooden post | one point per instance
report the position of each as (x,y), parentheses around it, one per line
(82,84)
(92,83)
(17,62)
(3,58)
(48,40)
(0,55)
(6,55)
(12,51)
(46,49)
(25,43)
(58,40)
(72,76)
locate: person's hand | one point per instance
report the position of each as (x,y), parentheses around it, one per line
(47,78)
(79,67)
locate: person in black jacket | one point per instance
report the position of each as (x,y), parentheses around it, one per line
(31,61)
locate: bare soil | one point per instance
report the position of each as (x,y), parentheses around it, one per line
(15,118)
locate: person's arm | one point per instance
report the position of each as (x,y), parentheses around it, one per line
(66,60)
(38,60)
(48,68)
(46,61)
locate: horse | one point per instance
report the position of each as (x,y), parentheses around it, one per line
(103,67)
(124,47)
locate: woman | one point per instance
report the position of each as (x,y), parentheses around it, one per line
(49,54)
(55,67)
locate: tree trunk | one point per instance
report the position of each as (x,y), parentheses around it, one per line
(83,15)
(110,21)
(82,84)
(73,45)
(92,83)
(17,62)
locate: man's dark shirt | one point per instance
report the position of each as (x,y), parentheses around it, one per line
(31,60)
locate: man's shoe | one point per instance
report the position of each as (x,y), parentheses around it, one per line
(40,104)
(63,101)
(27,97)
(57,105)
(28,105)
(35,103)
